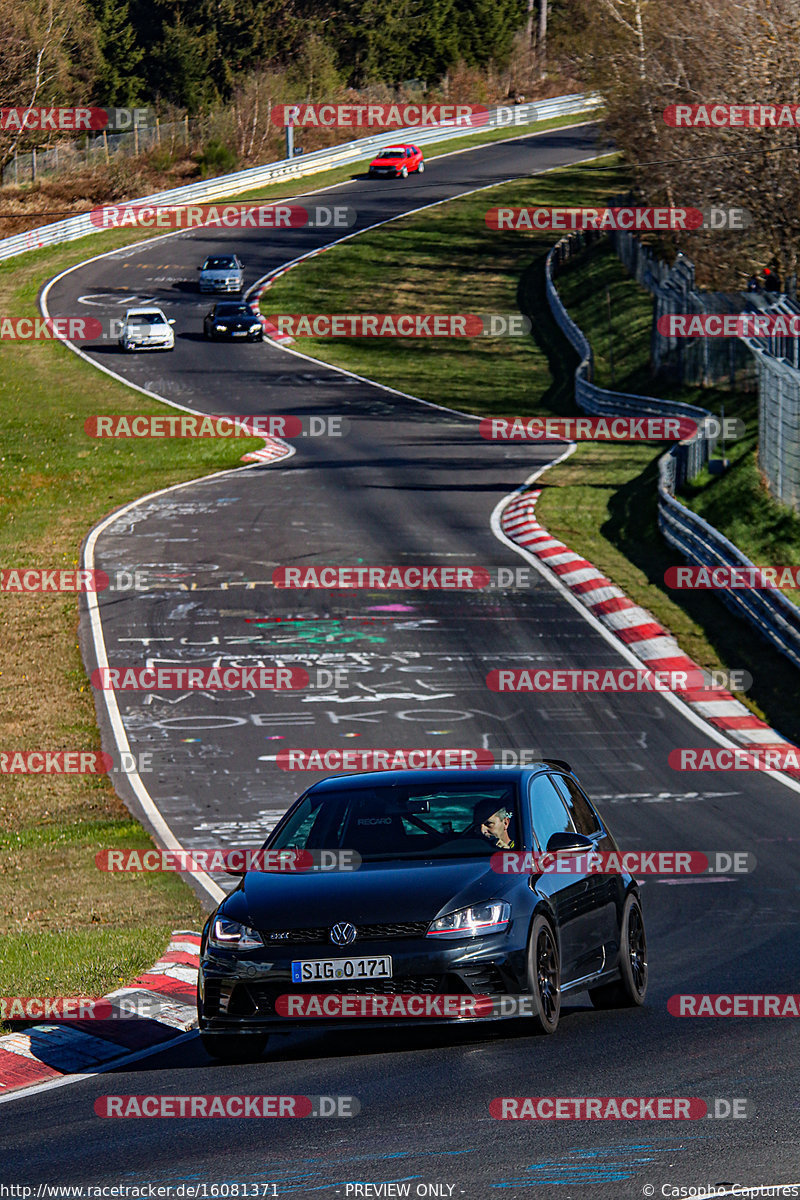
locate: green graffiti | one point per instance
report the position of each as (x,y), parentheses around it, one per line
(323,632)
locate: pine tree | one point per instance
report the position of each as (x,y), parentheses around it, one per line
(120,82)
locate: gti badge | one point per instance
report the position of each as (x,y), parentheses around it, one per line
(343,933)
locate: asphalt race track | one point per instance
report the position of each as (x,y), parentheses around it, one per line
(411,484)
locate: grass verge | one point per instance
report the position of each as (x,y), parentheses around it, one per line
(602,500)
(64,923)
(14,222)
(67,928)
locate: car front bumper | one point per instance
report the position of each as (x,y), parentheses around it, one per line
(236,335)
(237,992)
(147,343)
(221,285)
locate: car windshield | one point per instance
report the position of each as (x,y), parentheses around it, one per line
(146,319)
(218,264)
(395,152)
(403,821)
(233,310)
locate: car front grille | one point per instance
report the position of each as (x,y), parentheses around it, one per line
(258,999)
(320,934)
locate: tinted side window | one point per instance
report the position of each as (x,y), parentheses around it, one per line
(585,820)
(548,812)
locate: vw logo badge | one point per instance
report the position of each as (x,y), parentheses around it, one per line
(343,933)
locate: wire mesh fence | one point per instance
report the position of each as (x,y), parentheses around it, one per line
(186,134)
(699,361)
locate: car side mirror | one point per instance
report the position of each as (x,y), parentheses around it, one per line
(569,843)
(199,268)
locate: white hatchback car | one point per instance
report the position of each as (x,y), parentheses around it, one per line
(146,329)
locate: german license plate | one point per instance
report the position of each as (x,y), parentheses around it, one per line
(329,970)
(240,333)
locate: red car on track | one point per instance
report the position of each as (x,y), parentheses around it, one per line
(398,161)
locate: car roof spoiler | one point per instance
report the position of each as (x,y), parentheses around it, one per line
(558,762)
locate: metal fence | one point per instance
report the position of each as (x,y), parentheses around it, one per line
(776,360)
(770,364)
(691,454)
(294,168)
(89,150)
(701,361)
(773,616)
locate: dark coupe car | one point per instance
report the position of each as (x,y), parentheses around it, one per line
(232,320)
(425,913)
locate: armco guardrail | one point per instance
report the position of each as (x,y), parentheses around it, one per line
(692,454)
(768,611)
(775,617)
(306,164)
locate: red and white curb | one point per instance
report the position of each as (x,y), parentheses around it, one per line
(272,451)
(48,1051)
(270,330)
(632,625)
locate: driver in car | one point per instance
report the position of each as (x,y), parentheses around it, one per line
(494,825)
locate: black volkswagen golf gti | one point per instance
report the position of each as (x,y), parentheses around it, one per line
(429,915)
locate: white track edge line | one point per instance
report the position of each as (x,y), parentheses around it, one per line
(154,815)
(669,697)
(378,225)
(49,1084)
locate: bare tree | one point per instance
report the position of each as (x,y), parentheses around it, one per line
(49,57)
(645,55)
(541,36)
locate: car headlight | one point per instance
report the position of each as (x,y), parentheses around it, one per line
(255,328)
(492,917)
(220,328)
(225,932)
